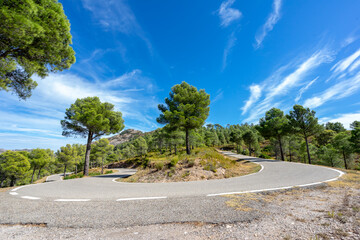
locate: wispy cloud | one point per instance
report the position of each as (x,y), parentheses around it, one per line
(280,84)
(255,94)
(229,46)
(342,65)
(41,114)
(117,16)
(303,89)
(219,95)
(273,18)
(227,14)
(340,90)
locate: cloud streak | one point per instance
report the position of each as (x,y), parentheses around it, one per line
(273,18)
(255,94)
(280,84)
(302,90)
(227,14)
(227,51)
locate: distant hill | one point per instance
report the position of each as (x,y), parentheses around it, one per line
(125,136)
(16,150)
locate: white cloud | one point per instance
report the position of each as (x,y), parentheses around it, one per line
(273,18)
(279,85)
(342,65)
(255,93)
(117,16)
(355,65)
(40,115)
(227,14)
(302,90)
(229,46)
(340,90)
(346,119)
(219,95)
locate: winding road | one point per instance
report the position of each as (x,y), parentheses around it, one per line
(273,175)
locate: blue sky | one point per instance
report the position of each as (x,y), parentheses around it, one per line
(248,55)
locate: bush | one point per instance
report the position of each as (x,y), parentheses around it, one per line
(245,152)
(173,162)
(263,155)
(159,166)
(109,171)
(210,167)
(191,163)
(145,162)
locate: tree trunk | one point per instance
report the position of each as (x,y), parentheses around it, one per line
(75,168)
(87,154)
(32,176)
(307,149)
(345,163)
(281,149)
(64,172)
(188,151)
(2,183)
(250,149)
(38,176)
(290,151)
(175,148)
(170,148)
(102,165)
(12,182)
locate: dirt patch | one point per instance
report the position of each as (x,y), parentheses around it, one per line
(330,211)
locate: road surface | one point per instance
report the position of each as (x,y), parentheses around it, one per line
(273,175)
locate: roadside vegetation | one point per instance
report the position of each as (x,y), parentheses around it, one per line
(183,150)
(203,163)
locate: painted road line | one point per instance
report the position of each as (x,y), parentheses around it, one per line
(279,188)
(31,198)
(72,200)
(15,189)
(13,193)
(140,198)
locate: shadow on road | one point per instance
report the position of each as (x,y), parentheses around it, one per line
(114,176)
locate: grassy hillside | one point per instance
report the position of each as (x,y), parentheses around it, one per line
(202,164)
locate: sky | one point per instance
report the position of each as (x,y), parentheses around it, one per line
(249,56)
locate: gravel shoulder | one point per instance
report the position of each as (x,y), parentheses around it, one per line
(330,211)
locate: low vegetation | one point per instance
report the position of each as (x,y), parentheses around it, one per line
(202,164)
(92,172)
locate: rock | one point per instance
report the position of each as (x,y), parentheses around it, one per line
(125,136)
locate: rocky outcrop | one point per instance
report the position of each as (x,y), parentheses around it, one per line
(125,136)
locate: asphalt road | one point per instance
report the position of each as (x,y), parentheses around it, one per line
(91,202)
(274,175)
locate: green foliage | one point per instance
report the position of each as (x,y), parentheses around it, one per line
(186,108)
(39,158)
(265,156)
(159,166)
(274,125)
(342,143)
(250,139)
(336,127)
(88,117)
(34,38)
(303,121)
(13,166)
(355,135)
(325,137)
(141,146)
(100,152)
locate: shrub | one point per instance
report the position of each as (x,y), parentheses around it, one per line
(173,162)
(245,152)
(159,166)
(109,171)
(191,163)
(263,155)
(145,162)
(210,167)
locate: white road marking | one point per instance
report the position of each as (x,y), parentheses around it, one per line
(140,198)
(31,198)
(15,189)
(13,193)
(279,188)
(72,200)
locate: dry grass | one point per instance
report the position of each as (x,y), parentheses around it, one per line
(349,180)
(202,164)
(242,202)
